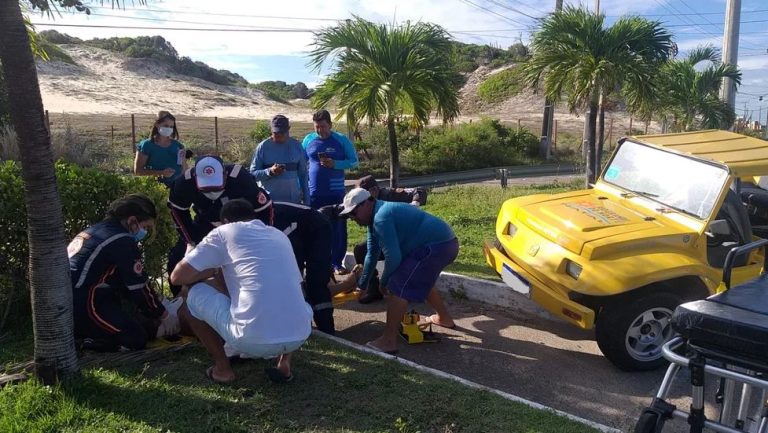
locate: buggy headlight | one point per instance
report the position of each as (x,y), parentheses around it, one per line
(573,269)
(511,229)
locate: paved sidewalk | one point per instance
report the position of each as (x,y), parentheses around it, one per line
(525,353)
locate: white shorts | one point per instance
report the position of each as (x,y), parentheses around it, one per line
(212,307)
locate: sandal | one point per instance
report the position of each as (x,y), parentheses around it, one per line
(277,376)
(209,375)
(430,319)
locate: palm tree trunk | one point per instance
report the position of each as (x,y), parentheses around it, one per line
(590,142)
(394,154)
(50,286)
(600,137)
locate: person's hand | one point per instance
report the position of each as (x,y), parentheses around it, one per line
(415,203)
(168,172)
(276,169)
(327,162)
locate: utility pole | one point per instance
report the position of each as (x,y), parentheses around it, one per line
(731,48)
(545,146)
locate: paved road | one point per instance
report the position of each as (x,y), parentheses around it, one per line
(524,352)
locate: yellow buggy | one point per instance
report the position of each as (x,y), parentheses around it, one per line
(653,233)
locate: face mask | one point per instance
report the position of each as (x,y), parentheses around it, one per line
(214,195)
(165,131)
(140,235)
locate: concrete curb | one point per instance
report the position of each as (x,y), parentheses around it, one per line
(468,383)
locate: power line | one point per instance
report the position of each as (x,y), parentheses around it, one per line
(200,29)
(469,2)
(510,8)
(221,14)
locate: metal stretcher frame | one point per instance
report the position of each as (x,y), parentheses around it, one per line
(700,362)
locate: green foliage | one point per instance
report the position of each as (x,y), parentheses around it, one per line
(260,131)
(156,47)
(54,52)
(283,92)
(57,38)
(500,86)
(756,133)
(469,57)
(487,143)
(85,195)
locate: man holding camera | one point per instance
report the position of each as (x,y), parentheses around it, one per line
(279,164)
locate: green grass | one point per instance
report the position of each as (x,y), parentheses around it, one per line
(471,211)
(16,344)
(336,390)
(500,86)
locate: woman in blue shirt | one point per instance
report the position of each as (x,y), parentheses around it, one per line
(161,154)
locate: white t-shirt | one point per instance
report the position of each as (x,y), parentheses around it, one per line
(262,277)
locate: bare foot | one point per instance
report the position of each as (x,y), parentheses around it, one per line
(382,346)
(220,376)
(435,320)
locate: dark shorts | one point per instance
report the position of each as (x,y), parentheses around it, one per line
(419,270)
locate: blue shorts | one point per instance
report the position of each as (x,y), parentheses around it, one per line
(419,270)
(212,307)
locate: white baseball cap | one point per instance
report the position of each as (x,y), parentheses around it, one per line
(209,174)
(353,199)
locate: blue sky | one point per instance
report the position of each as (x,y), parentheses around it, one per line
(268,40)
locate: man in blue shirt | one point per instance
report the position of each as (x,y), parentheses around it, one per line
(280,165)
(329,153)
(416,246)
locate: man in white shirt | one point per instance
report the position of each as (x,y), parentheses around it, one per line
(255,304)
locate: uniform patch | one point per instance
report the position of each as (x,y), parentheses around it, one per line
(138,267)
(75,246)
(209,170)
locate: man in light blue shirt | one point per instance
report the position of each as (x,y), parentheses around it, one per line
(416,246)
(280,164)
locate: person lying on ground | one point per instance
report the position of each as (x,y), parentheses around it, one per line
(259,311)
(416,246)
(105,263)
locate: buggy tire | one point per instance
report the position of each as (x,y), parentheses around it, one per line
(631,331)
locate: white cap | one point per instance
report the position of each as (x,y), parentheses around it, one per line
(354,198)
(209,174)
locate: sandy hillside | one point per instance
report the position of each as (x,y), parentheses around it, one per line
(106,82)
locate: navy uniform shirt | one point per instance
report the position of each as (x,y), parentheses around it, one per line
(185,196)
(106,256)
(298,222)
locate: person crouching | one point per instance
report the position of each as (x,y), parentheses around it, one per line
(254,303)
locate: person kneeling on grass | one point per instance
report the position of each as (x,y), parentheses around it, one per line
(416,246)
(254,304)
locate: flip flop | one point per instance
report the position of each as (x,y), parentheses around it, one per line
(434,322)
(388,352)
(209,375)
(277,376)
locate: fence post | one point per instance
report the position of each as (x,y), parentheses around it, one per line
(48,122)
(630,125)
(646,126)
(518,124)
(133,133)
(216,133)
(554,133)
(503,177)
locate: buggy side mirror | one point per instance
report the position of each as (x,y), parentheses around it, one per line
(719,228)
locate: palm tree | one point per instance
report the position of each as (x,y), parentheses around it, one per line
(691,96)
(577,58)
(49,282)
(384,72)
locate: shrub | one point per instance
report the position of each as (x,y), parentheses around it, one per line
(487,143)
(85,194)
(239,151)
(260,131)
(500,86)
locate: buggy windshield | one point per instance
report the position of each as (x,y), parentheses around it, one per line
(674,180)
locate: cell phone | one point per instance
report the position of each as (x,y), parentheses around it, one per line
(322,155)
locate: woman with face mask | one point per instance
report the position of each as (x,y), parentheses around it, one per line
(161,155)
(106,264)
